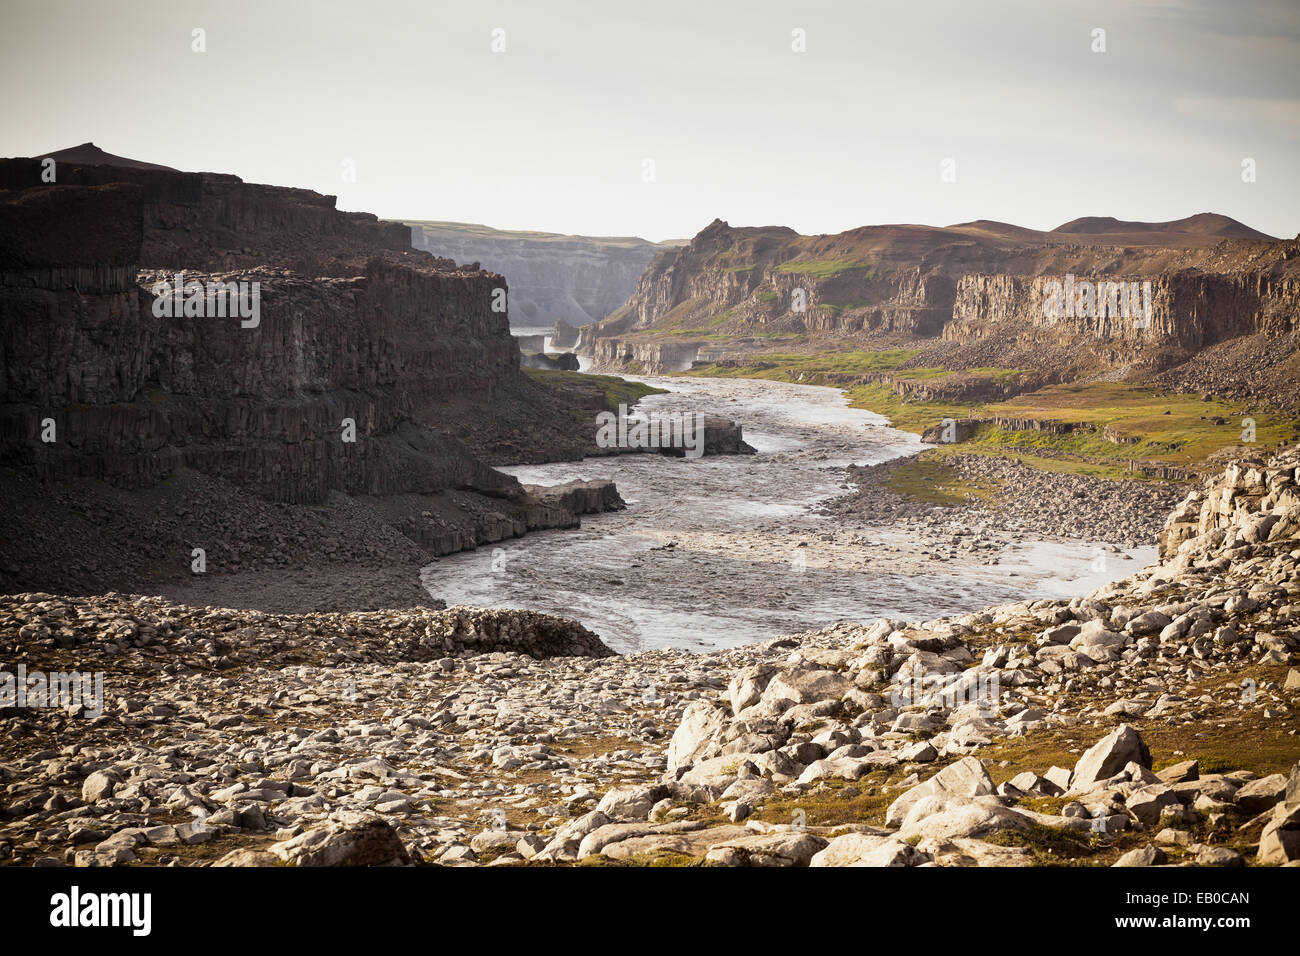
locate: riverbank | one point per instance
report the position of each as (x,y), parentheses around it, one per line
(723,551)
(1103,427)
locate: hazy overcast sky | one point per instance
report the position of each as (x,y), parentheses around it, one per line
(554,132)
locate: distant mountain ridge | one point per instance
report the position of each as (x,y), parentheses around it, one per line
(1208,225)
(551,276)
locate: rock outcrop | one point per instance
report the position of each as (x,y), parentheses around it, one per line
(1254,502)
(579,497)
(561,362)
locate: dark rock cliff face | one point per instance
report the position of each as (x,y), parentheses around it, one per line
(357,336)
(576,279)
(406,346)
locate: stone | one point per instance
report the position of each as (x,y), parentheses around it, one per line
(920,752)
(1280,840)
(1143,856)
(966,777)
(747,686)
(1109,756)
(860,849)
(792,848)
(1032,783)
(702,722)
(944,816)
(248,857)
(843,768)
(349,841)
(99,786)
(1059,777)
(696,843)
(963,851)
(1181,772)
(631,803)
(1147,803)
(488,840)
(1219,856)
(799,685)
(1259,795)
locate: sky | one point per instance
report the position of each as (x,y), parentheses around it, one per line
(629,118)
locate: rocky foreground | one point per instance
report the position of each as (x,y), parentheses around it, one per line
(1151,722)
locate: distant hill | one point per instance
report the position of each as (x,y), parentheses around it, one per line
(1204,225)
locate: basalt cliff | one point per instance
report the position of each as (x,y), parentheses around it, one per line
(132,436)
(1215,302)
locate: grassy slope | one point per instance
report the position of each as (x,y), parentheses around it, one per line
(1166,428)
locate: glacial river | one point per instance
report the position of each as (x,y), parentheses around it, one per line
(726,550)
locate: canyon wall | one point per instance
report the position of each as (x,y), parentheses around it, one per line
(980,288)
(371,369)
(1189,309)
(577,279)
(406,346)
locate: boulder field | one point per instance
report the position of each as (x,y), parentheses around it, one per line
(1151,722)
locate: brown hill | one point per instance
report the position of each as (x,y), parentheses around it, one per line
(1204,226)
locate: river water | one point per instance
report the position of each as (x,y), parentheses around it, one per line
(718,551)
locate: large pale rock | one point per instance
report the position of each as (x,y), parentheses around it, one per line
(564,845)
(945,816)
(1095,634)
(799,685)
(695,843)
(1280,841)
(1109,756)
(963,851)
(99,786)
(1260,795)
(247,857)
(861,849)
(349,841)
(707,779)
(1151,622)
(703,722)
(791,848)
(496,840)
(601,837)
(631,803)
(1183,772)
(1147,803)
(747,686)
(1219,856)
(843,768)
(966,777)
(1142,856)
